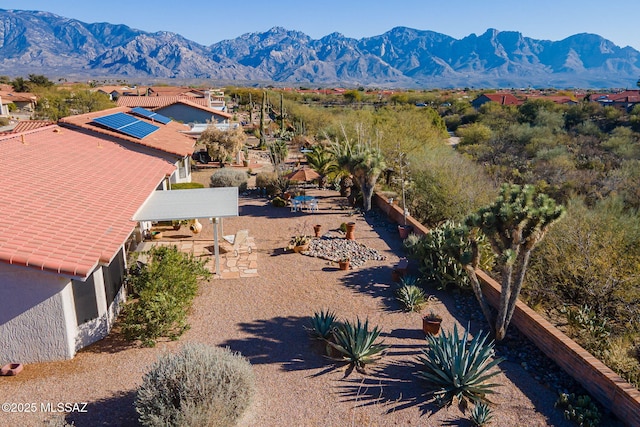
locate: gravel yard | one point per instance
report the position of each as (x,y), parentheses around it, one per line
(264,319)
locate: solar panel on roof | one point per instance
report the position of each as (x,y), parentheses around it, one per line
(127,125)
(151,115)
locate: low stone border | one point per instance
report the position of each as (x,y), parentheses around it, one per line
(609,388)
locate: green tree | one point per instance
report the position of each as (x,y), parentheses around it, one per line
(321,160)
(352,96)
(513,225)
(475,133)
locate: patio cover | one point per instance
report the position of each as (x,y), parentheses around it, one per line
(194,203)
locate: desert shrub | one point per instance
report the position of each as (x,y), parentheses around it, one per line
(445,185)
(162,293)
(227,177)
(274,183)
(186,185)
(458,367)
(198,386)
(590,258)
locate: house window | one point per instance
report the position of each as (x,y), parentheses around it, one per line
(113,277)
(84,297)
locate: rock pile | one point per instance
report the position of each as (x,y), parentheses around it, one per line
(336,248)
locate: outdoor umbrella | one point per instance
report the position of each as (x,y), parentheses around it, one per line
(303,175)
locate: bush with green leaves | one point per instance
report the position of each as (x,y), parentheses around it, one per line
(162,293)
(458,367)
(228,177)
(591,331)
(322,324)
(356,344)
(579,409)
(199,385)
(481,414)
(278,202)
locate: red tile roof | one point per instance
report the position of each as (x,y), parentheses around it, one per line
(157,101)
(168,138)
(26,125)
(503,98)
(68,198)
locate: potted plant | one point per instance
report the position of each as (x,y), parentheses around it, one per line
(178,223)
(344,263)
(431,323)
(299,243)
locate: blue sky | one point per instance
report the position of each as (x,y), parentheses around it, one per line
(208,22)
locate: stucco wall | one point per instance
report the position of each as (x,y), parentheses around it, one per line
(36,309)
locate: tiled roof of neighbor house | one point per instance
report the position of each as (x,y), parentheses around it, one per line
(9,96)
(68,198)
(157,101)
(26,125)
(503,98)
(190,103)
(171,91)
(167,138)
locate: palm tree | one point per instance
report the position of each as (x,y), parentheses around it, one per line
(322,161)
(364,161)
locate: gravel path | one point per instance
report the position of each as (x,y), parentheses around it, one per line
(264,319)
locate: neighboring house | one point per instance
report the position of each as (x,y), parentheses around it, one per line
(24,101)
(560,99)
(180,108)
(189,112)
(116,92)
(68,198)
(164,140)
(624,100)
(500,98)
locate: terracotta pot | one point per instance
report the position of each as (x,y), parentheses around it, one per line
(343,265)
(395,275)
(300,248)
(351,226)
(11,369)
(404,231)
(156,235)
(316,229)
(431,327)
(195,226)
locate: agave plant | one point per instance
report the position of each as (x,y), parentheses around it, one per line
(322,324)
(412,297)
(459,367)
(356,344)
(481,414)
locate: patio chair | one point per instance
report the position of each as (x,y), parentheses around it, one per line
(296,205)
(237,242)
(313,206)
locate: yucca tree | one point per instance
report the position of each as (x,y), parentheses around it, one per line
(361,159)
(513,225)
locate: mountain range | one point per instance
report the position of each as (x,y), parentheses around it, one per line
(33,42)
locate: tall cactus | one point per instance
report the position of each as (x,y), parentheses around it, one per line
(513,224)
(263,129)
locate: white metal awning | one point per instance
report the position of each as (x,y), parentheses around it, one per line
(189,204)
(194,203)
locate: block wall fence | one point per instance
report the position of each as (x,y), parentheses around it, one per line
(611,390)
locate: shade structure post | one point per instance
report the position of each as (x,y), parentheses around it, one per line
(216,247)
